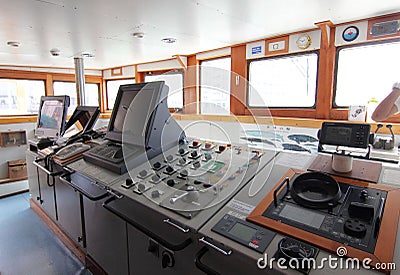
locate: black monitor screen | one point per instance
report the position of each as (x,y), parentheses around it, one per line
(81,121)
(51,116)
(139,100)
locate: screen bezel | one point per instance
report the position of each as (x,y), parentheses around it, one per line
(50,132)
(156,87)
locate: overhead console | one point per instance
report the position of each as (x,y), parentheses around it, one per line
(139,126)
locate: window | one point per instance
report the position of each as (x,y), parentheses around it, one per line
(112,90)
(20,97)
(215,79)
(174,80)
(366,73)
(69,89)
(288,81)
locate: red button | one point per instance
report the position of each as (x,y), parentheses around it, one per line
(255,242)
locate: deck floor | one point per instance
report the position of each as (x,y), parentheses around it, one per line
(27,246)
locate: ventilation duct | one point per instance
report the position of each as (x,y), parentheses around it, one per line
(80,79)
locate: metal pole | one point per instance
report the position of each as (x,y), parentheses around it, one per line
(80,79)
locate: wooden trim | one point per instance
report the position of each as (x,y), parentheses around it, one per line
(184,66)
(191,97)
(387,235)
(238,89)
(49,85)
(326,69)
(63,237)
(8,180)
(379,20)
(284,39)
(17,119)
(116,71)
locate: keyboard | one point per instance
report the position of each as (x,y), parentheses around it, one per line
(107,152)
(72,150)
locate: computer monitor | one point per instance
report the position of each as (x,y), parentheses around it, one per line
(81,121)
(51,116)
(147,97)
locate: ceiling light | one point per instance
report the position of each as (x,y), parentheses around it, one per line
(138,34)
(87,54)
(55,52)
(14,44)
(168,40)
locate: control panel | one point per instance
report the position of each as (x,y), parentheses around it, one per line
(241,231)
(344,134)
(193,176)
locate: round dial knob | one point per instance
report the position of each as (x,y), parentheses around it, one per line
(207,156)
(171,182)
(141,187)
(155,178)
(182,161)
(184,173)
(193,154)
(143,173)
(196,164)
(181,151)
(170,157)
(195,143)
(207,145)
(363,194)
(157,165)
(221,148)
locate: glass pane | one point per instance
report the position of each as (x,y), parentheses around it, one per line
(91,94)
(112,90)
(20,97)
(288,81)
(175,84)
(215,83)
(366,73)
(69,89)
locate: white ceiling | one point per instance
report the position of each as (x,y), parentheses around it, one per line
(105,27)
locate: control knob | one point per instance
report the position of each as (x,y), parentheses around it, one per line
(193,154)
(141,187)
(364,194)
(169,169)
(167,259)
(195,143)
(169,157)
(181,151)
(221,148)
(128,182)
(207,145)
(171,182)
(184,173)
(207,156)
(143,173)
(157,165)
(182,161)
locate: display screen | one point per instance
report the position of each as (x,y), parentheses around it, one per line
(302,216)
(82,120)
(242,231)
(338,135)
(51,114)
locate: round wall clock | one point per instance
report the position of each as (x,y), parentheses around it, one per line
(350,33)
(304,41)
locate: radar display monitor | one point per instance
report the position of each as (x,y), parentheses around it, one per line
(140,100)
(81,121)
(51,116)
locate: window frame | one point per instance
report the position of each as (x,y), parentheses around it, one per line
(22,77)
(199,83)
(105,98)
(177,71)
(77,95)
(277,109)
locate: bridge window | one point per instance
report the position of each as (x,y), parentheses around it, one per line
(366,73)
(174,80)
(215,79)
(286,81)
(20,97)
(112,90)
(69,88)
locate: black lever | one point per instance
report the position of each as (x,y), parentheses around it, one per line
(286,180)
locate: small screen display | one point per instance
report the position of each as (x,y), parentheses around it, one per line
(302,216)
(51,114)
(242,231)
(338,135)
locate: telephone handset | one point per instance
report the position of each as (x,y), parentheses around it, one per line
(72,150)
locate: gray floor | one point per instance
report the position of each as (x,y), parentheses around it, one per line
(27,246)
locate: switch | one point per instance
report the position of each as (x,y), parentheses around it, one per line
(207,156)
(155,194)
(181,151)
(171,182)
(221,148)
(193,154)
(169,158)
(169,169)
(195,143)
(182,161)
(196,165)
(141,187)
(157,165)
(128,182)
(143,173)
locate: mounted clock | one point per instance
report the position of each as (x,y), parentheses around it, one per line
(304,41)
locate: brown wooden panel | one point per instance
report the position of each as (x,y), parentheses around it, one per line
(362,169)
(238,89)
(190,92)
(379,20)
(387,235)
